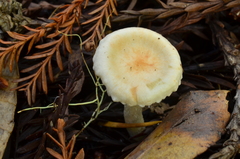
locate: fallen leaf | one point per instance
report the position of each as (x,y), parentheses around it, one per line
(127,125)
(8,101)
(3,83)
(195,123)
(80,154)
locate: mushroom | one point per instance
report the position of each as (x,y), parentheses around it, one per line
(139,67)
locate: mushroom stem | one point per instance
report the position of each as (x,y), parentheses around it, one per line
(133,114)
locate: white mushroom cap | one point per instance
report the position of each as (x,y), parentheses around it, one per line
(138,66)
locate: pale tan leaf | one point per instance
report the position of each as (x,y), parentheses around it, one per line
(42,52)
(199,6)
(164,5)
(3,83)
(67,23)
(91,20)
(20,88)
(31,43)
(40,55)
(98,1)
(67,44)
(64,18)
(80,154)
(107,19)
(33,92)
(7,42)
(99,35)
(131,12)
(97,10)
(179,4)
(8,101)
(50,25)
(113,6)
(46,45)
(28,92)
(70,146)
(53,34)
(190,128)
(31,29)
(213,8)
(3,48)
(17,36)
(50,71)
(55,141)
(89,30)
(54,153)
(32,67)
(102,28)
(233,4)
(19,52)
(39,80)
(59,59)
(44,80)
(12,59)
(170,13)
(41,34)
(152,12)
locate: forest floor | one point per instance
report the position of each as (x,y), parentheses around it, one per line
(62,108)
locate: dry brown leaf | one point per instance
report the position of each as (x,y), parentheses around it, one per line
(32,67)
(54,153)
(213,8)
(17,36)
(66,150)
(80,154)
(67,44)
(199,6)
(44,80)
(50,71)
(179,4)
(69,23)
(59,59)
(152,12)
(170,13)
(53,35)
(42,46)
(191,127)
(3,83)
(31,43)
(8,101)
(102,13)
(7,43)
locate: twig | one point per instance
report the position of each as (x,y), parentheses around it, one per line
(232,58)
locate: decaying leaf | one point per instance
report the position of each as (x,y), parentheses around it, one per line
(12,17)
(8,101)
(66,148)
(3,83)
(229,46)
(191,127)
(103,12)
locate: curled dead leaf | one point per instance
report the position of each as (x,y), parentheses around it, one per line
(195,123)
(3,83)
(8,101)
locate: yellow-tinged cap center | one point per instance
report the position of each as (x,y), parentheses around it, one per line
(140,61)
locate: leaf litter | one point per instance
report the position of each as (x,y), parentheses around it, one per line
(205,34)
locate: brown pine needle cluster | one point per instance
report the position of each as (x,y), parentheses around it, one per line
(56,35)
(188,12)
(57,42)
(67,150)
(101,14)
